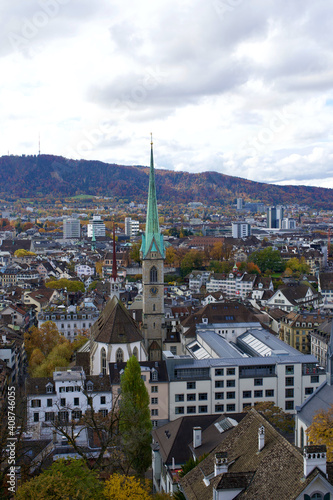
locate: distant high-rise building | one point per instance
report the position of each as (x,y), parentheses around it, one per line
(241,229)
(96,227)
(274,217)
(71,228)
(288,223)
(131,227)
(240,203)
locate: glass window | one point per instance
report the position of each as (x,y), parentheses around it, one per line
(219,395)
(154,412)
(231,383)
(191,385)
(308,390)
(153,275)
(203,396)
(119,355)
(247,394)
(191,409)
(289,393)
(103,399)
(36,417)
(219,372)
(219,408)
(290,370)
(269,393)
(62,401)
(258,381)
(191,397)
(231,395)
(179,397)
(289,381)
(289,405)
(49,402)
(231,408)
(203,409)
(154,401)
(154,388)
(103,360)
(314,379)
(230,371)
(76,401)
(258,394)
(219,383)
(179,410)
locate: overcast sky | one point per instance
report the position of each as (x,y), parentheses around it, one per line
(242,87)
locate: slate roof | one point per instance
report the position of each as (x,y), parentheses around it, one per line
(115,325)
(274,473)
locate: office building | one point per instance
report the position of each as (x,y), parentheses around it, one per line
(71,228)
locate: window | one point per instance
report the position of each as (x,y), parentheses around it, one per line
(104,413)
(247,394)
(317,496)
(246,405)
(103,400)
(153,275)
(231,383)
(154,412)
(154,375)
(62,401)
(314,379)
(49,388)
(154,423)
(49,416)
(191,397)
(191,385)
(231,408)
(119,355)
(154,388)
(219,395)
(76,414)
(219,383)
(76,401)
(219,372)
(179,397)
(136,352)
(203,409)
(269,393)
(154,401)
(179,410)
(230,371)
(89,387)
(49,402)
(258,381)
(231,395)
(289,370)
(289,381)
(258,394)
(103,361)
(289,393)
(36,417)
(191,409)
(203,396)
(289,405)
(35,403)
(173,350)
(219,408)
(308,390)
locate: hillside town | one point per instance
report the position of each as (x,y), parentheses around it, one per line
(225,311)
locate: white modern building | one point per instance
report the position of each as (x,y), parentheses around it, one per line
(226,375)
(288,223)
(131,227)
(96,227)
(241,229)
(71,228)
(232,285)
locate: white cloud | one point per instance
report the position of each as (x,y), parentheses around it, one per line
(244,88)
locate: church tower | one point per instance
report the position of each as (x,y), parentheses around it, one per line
(153,255)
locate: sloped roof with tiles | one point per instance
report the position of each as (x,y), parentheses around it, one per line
(115,325)
(274,473)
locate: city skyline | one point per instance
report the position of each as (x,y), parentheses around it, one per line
(240,88)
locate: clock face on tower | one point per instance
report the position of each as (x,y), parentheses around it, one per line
(153,290)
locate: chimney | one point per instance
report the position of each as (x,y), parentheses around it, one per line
(197,435)
(221,463)
(261,438)
(314,456)
(133,315)
(173,466)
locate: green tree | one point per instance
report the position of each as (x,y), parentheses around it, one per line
(192,260)
(267,259)
(135,252)
(65,479)
(135,425)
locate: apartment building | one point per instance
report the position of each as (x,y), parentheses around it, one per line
(70,321)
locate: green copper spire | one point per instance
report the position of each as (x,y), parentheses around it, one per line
(152,237)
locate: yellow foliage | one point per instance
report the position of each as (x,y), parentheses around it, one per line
(119,487)
(320,431)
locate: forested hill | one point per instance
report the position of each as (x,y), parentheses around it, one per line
(58,177)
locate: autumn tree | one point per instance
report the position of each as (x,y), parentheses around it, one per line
(192,260)
(44,338)
(70,285)
(120,487)
(135,252)
(321,430)
(64,479)
(135,425)
(267,260)
(275,415)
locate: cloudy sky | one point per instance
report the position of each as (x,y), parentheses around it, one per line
(242,87)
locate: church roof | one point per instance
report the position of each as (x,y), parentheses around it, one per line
(115,325)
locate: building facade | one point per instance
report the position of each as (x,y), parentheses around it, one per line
(71,228)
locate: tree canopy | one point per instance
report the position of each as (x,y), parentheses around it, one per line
(135,425)
(61,284)
(65,479)
(321,430)
(119,487)
(267,259)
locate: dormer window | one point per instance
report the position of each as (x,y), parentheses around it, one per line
(154,375)
(49,388)
(89,387)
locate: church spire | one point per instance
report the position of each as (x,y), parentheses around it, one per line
(152,236)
